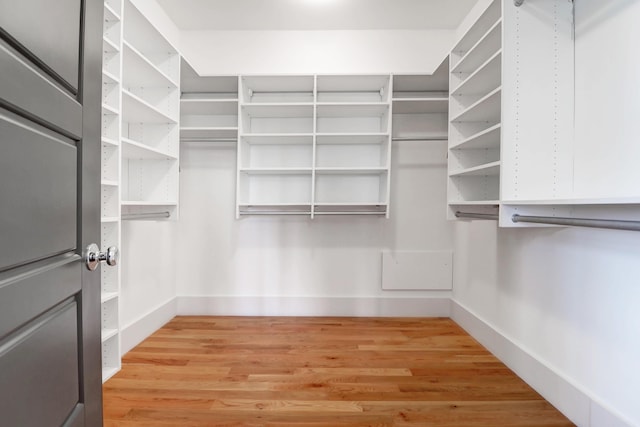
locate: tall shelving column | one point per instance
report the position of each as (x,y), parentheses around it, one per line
(352,145)
(275,145)
(150,120)
(110,226)
(475,116)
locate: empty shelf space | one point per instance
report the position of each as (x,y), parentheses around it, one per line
(351,139)
(351,109)
(486,109)
(474,203)
(137,110)
(140,71)
(208,106)
(110,14)
(487,19)
(289,110)
(488,138)
(489,169)
(420,105)
(109,183)
(278,139)
(108,296)
(108,109)
(486,47)
(109,78)
(109,46)
(483,79)
(197,132)
(144,203)
(110,142)
(136,150)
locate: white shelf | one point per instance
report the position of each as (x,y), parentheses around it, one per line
(351,138)
(292,110)
(110,142)
(108,333)
(141,203)
(474,203)
(109,46)
(139,71)
(109,183)
(108,296)
(109,219)
(420,105)
(137,110)
(488,138)
(487,19)
(486,109)
(484,79)
(108,372)
(136,150)
(203,106)
(110,78)
(278,139)
(351,171)
(206,132)
(276,171)
(352,109)
(577,202)
(110,14)
(489,169)
(107,109)
(486,47)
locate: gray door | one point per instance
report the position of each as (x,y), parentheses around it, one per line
(50,72)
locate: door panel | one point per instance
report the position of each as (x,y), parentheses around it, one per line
(36,94)
(50,82)
(49,31)
(39,384)
(26,292)
(38,174)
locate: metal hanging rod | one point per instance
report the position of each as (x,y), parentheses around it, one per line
(146,215)
(612,224)
(415,138)
(472,215)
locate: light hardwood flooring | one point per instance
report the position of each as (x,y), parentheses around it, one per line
(335,372)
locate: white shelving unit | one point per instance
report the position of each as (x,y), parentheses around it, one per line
(420,105)
(475,115)
(110,228)
(150,119)
(509,121)
(314,145)
(208,108)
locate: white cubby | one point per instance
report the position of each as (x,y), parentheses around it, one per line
(301,135)
(421,104)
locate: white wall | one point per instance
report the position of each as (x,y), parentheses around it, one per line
(328,257)
(569,297)
(315,52)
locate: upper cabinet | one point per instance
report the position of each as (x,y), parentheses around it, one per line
(150,117)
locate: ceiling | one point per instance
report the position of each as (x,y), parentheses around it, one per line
(316,14)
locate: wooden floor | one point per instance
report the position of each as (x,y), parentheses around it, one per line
(268,371)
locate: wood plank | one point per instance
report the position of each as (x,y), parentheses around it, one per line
(278,372)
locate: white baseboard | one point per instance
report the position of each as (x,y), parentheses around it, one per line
(574,403)
(314,306)
(135,332)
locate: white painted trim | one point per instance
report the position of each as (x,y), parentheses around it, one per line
(141,328)
(570,399)
(313,306)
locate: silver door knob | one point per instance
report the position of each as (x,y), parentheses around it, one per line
(94,256)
